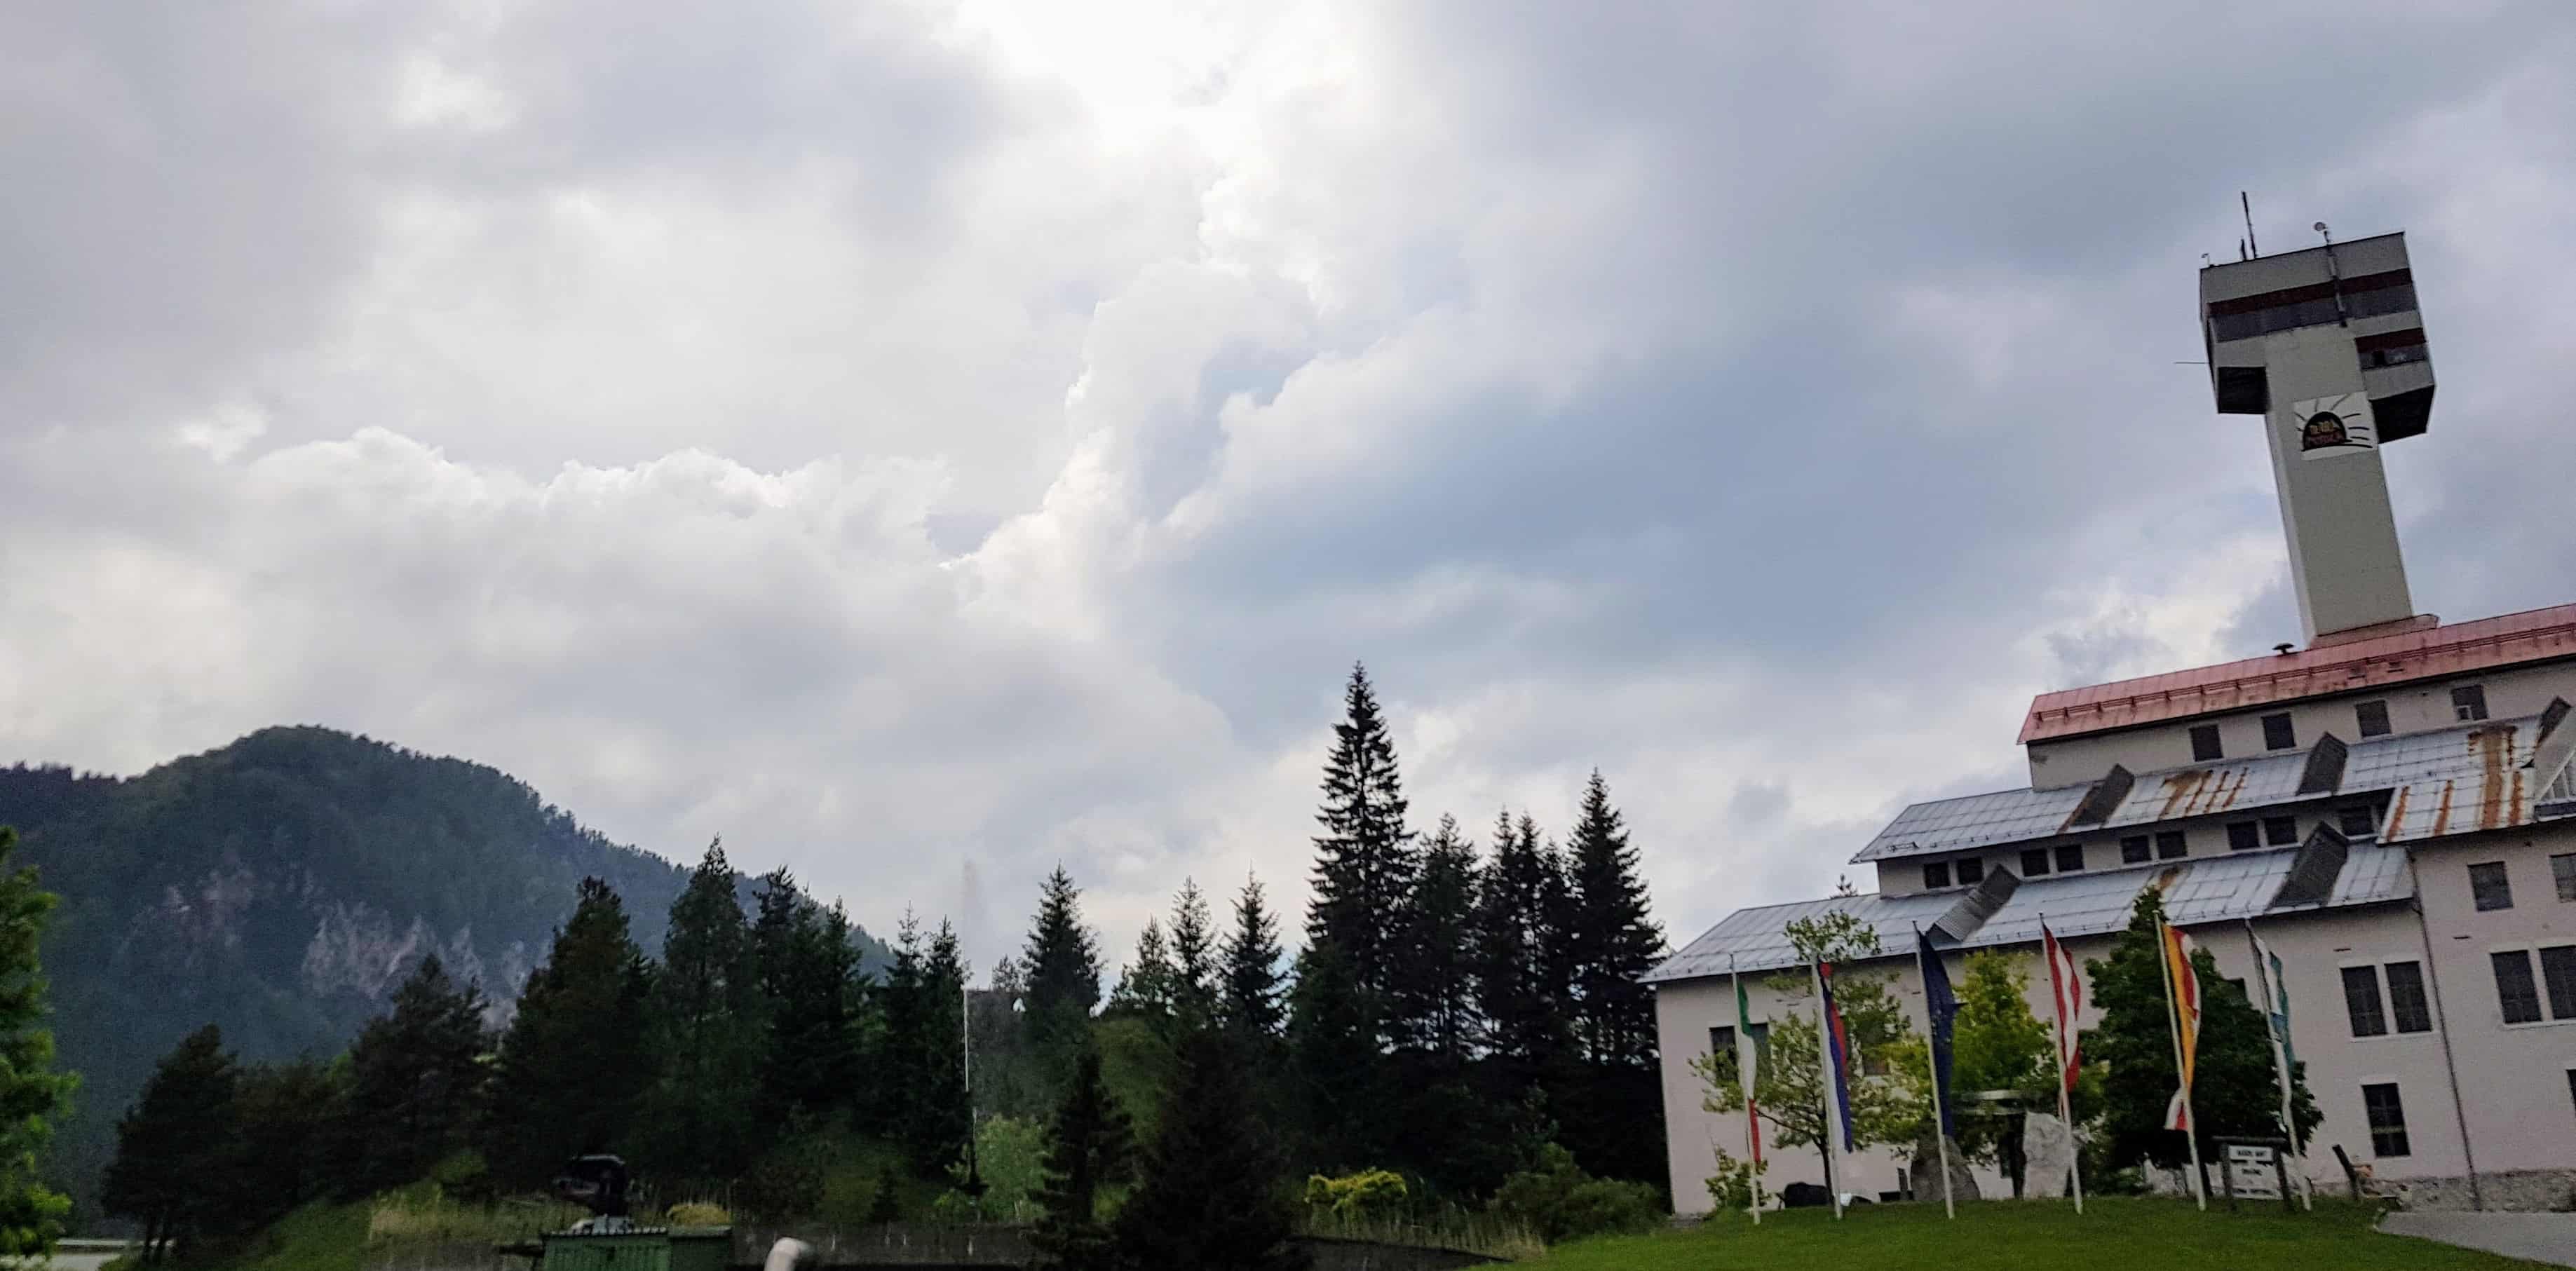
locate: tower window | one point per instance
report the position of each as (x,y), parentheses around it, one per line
(2562,870)
(2358,821)
(2387,1120)
(1936,875)
(1970,870)
(2490,886)
(2243,836)
(2133,850)
(2278,734)
(2034,862)
(2517,994)
(2170,845)
(2469,702)
(2204,743)
(2281,831)
(2372,716)
(2406,1001)
(2070,857)
(2361,1001)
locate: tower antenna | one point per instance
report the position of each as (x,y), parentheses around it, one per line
(2248,204)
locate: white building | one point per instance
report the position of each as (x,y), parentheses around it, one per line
(2392,807)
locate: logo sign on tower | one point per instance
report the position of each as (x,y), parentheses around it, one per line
(2334,426)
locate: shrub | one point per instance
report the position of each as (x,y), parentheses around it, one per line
(1368,1193)
(1733,1187)
(697,1213)
(1562,1202)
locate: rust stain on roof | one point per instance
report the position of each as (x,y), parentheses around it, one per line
(2499,780)
(2442,814)
(2179,788)
(2396,815)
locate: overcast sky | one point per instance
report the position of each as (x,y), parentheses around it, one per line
(926,442)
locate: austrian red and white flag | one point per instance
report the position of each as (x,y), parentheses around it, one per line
(2066,991)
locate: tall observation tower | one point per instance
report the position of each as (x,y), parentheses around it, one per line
(2327,346)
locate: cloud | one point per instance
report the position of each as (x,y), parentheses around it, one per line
(929,442)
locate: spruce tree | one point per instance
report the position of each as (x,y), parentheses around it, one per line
(1062,963)
(1434,980)
(809,984)
(1347,1092)
(1251,1005)
(32,1094)
(576,1058)
(904,1047)
(1209,1196)
(1087,1146)
(294,1145)
(2234,1089)
(1517,971)
(1615,1119)
(1365,859)
(1194,958)
(887,1205)
(415,1081)
(1145,985)
(709,1022)
(174,1147)
(940,1121)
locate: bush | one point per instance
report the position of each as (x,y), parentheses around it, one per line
(1369,1193)
(1734,1187)
(698,1213)
(1562,1202)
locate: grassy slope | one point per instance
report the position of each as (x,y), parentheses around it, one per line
(2030,1237)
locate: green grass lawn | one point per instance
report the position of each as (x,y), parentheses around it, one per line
(2114,1234)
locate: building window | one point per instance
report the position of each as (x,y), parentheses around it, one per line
(2070,857)
(2360,821)
(1936,875)
(2133,850)
(2034,862)
(2281,831)
(2387,1120)
(2361,1001)
(2562,867)
(2204,743)
(2372,716)
(2278,734)
(2558,975)
(2243,836)
(2170,845)
(2407,1004)
(2571,1085)
(1969,870)
(2469,702)
(2490,887)
(2515,990)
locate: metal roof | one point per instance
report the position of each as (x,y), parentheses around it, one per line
(2014,816)
(2206,890)
(2422,653)
(2493,777)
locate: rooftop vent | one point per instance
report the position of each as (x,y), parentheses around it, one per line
(2324,773)
(2104,798)
(1980,904)
(2313,873)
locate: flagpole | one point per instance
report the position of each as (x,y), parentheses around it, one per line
(1825,1062)
(2173,1029)
(1932,1063)
(2276,1028)
(1744,1078)
(2050,950)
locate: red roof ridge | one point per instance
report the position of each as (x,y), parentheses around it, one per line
(2529,636)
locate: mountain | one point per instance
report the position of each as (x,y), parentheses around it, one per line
(281,887)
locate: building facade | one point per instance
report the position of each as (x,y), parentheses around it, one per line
(2391,808)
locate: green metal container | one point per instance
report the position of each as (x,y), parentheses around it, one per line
(640,1249)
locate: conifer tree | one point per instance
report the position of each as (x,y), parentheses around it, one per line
(1614,1121)
(415,1081)
(1087,1147)
(1365,859)
(577,1056)
(1434,980)
(941,1121)
(294,1144)
(1209,1197)
(809,983)
(32,1094)
(1346,1089)
(1251,1007)
(1145,985)
(904,1048)
(2234,1089)
(1517,976)
(886,1206)
(1062,963)
(710,1023)
(1194,958)
(174,1146)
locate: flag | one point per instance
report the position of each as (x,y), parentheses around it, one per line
(1837,1048)
(2186,1003)
(2066,992)
(2276,1013)
(1747,1055)
(1941,1007)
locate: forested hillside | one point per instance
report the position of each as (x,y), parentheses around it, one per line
(282,887)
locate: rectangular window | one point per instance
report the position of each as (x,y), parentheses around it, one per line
(2243,836)
(2387,1120)
(2278,734)
(2489,885)
(2360,821)
(2133,850)
(2562,867)
(1936,875)
(2034,862)
(2558,976)
(1970,870)
(2469,702)
(2070,857)
(2281,831)
(2515,991)
(2361,1001)
(2170,845)
(2406,1002)
(2204,743)
(2372,716)
(2571,1085)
